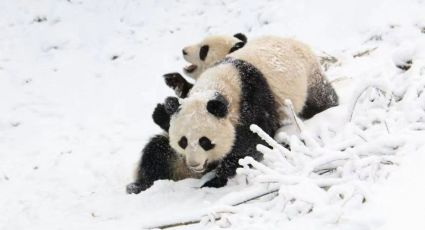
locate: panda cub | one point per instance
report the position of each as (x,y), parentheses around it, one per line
(321,94)
(201,56)
(159,160)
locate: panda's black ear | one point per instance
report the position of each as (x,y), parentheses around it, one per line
(218,106)
(241,37)
(236,47)
(171,105)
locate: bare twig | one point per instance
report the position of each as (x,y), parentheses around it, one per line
(178,224)
(364,53)
(386,126)
(256,197)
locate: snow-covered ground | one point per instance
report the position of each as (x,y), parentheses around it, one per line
(79,80)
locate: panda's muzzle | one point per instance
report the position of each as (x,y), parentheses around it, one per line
(190,68)
(198,168)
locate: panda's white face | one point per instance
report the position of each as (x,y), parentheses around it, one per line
(210,50)
(201,137)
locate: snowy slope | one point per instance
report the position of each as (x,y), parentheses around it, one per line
(79,80)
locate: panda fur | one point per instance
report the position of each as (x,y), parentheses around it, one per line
(201,56)
(248,87)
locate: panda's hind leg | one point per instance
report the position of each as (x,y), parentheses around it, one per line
(156,163)
(321,96)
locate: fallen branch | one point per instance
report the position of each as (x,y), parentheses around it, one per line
(364,53)
(256,197)
(177,224)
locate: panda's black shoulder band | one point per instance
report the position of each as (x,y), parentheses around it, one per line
(257,99)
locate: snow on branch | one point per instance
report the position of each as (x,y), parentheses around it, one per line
(327,178)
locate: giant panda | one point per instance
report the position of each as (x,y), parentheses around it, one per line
(201,56)
(249,86)
(159,160)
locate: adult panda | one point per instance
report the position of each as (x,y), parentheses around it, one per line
(201,56)
(211,125)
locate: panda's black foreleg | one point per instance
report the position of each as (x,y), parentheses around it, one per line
(245,145)
(156,164)
(178,83)
(216,182)
(163,112)
(228,166)
(161,117)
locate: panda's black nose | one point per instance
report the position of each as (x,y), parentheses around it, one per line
(184,52)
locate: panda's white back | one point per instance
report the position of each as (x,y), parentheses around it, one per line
(285,63)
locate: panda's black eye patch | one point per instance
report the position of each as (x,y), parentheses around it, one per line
(203,52)
(205,143)
(183,142)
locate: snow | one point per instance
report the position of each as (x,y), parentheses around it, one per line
(80,79)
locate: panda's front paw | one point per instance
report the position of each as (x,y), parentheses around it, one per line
(215,182)
(171,105)
(173,80)
(161,117)
(135,188)
(176,82)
